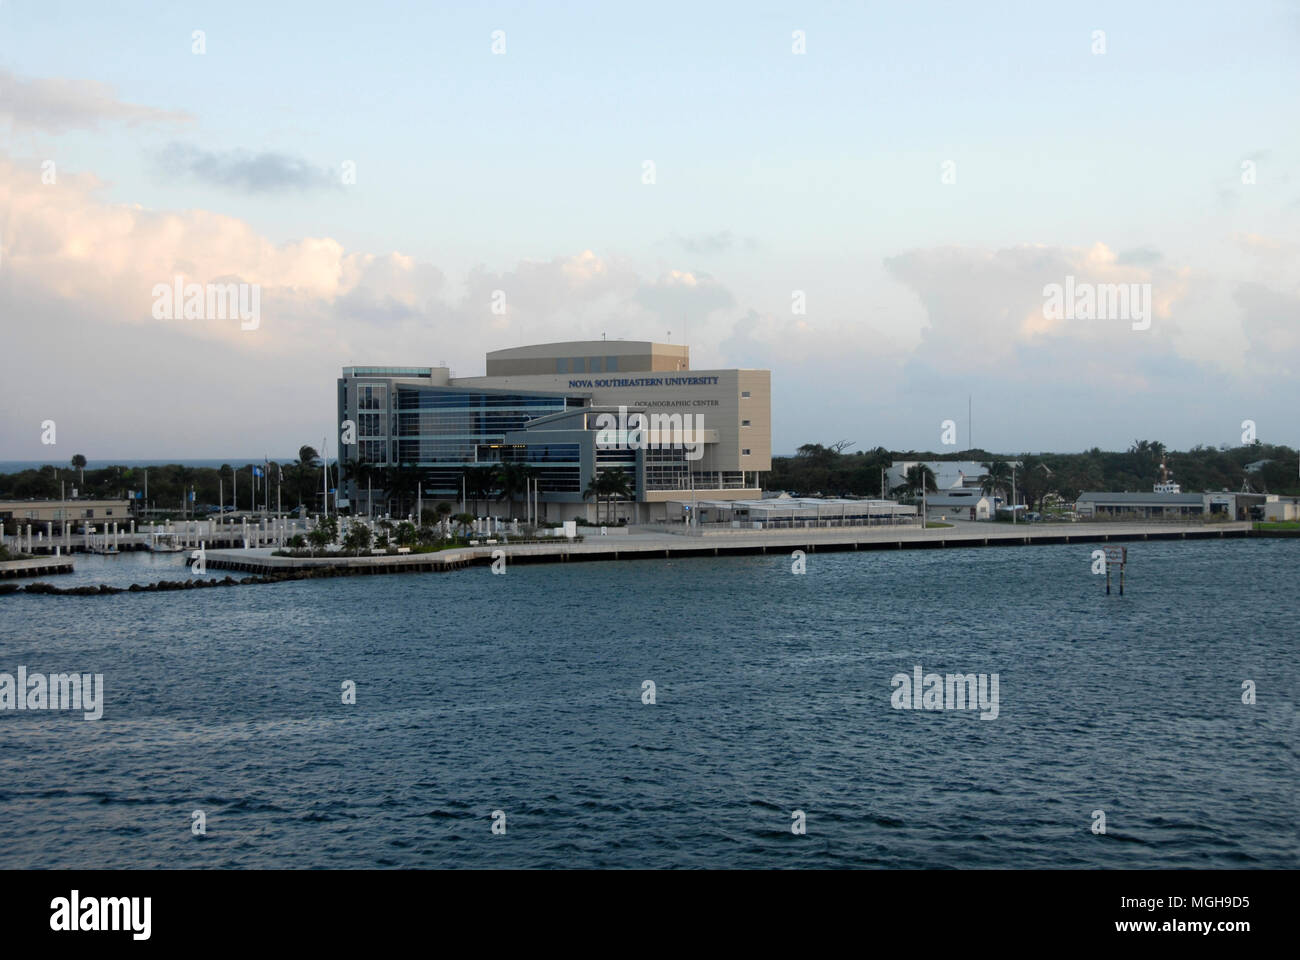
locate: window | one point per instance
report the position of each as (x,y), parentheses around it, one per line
(745,452)
(611,364)
(594,365)
(562,365)
(744,423)
(579,365)
(744,394)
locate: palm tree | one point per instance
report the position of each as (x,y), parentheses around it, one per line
(512,480)
(998,477)
(595,489)
(464,520)
(304,467)
(479,484)
(184,476)
(79,463)
(617,486)
(403,485)
(362,473)
(920,478)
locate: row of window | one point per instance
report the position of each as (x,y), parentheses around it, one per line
(435,399)
(586,365)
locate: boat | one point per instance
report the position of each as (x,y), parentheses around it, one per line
(165,543)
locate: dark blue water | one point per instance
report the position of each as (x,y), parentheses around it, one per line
(521,693)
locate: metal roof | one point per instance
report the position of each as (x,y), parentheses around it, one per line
(1154,499)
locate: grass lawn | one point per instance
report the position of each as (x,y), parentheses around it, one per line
(1279,525)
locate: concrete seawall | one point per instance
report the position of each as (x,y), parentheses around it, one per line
(725,543)
(35,567)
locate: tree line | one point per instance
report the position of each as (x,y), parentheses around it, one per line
(299,482)
(818,470)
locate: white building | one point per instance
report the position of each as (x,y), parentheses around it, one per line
(948,474)
(970,505)
(790,512)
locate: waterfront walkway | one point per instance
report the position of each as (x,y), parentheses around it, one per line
(35,567)
(647,545)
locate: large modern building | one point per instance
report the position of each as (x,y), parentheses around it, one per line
(569,413)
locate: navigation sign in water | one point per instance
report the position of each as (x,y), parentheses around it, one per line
(1116,557)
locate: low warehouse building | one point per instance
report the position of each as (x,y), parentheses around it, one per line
(945,506)
(792,512)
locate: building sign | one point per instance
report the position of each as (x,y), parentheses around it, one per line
(644,382)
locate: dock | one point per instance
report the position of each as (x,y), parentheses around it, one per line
(35,567)
(660,545)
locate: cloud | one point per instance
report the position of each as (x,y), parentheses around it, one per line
(58,104)
(984,306)
(244,170)
(77,275)
(80,272)
(1271,324)
(684,297)
(1140,257)
(707,244)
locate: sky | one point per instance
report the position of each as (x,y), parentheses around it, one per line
(871,200)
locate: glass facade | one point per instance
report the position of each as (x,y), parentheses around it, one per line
(439,426)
